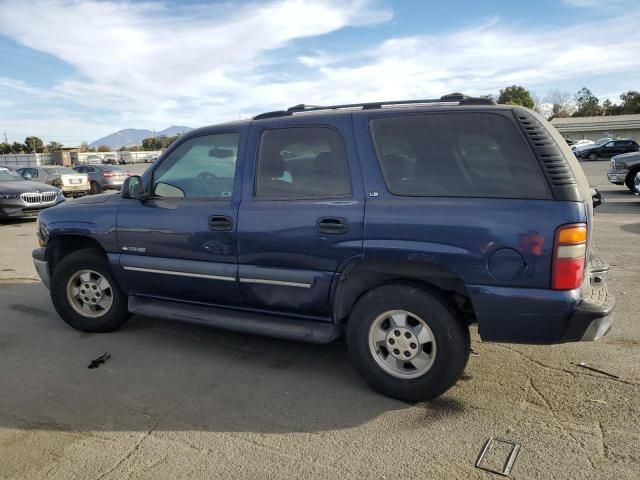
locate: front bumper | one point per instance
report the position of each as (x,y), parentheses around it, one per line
(21,209)
(39,256)
(75,189)
(617,177)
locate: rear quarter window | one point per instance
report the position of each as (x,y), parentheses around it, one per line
(457,154)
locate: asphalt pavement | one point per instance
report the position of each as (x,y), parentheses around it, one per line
(179,401)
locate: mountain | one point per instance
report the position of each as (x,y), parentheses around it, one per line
(134,136)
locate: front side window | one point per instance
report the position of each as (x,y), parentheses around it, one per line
(471,154)
(301,162)
(200,167)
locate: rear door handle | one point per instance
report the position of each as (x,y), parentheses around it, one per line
(220,223)
(332,225)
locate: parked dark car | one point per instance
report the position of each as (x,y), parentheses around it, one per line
(22,198)
(110,159)
(624,169)
(103,177)
(609,149)
(397,226)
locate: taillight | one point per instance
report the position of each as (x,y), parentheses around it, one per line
(569,253)
(108,174)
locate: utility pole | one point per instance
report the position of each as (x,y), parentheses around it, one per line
(5,137)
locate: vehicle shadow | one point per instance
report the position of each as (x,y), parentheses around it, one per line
(174,376)
(17,222)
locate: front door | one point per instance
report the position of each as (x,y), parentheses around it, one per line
(301,216)
(180,243)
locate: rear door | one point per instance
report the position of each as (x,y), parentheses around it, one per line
(302,211)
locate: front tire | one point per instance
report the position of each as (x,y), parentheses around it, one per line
(630,180)
(407,343)
(85,293)
(593,156)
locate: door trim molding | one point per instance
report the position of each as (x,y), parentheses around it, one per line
(181,274)
(280,283)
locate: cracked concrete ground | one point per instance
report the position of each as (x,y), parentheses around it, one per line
(177,401)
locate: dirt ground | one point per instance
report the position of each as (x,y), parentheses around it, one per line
(178,401)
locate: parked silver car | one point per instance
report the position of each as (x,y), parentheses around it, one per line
(68,180)
(103,177)
(22,198)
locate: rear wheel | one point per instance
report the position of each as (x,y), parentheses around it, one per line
(85,293)
(593,156)
(407,343)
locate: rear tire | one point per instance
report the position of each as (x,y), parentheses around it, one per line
(85,293)
(95,188)
(401,358)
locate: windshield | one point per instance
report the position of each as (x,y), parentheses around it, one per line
(61,171)
(6,176)
(602,141)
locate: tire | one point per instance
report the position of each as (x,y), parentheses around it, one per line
(443,358)
(95,188)
(593,156)
(110,309)
(631,178)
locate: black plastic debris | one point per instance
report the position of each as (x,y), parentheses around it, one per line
(100,360)
(584,365)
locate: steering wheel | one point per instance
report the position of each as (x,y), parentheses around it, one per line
(206,175)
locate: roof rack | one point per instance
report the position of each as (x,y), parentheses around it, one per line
(458,98)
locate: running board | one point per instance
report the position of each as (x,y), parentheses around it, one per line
(237,321)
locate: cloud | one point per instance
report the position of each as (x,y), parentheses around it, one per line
(153,64)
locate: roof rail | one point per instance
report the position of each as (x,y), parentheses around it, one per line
(458,98)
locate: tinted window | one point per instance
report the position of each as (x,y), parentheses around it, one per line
(200,167)
(456,154)
(302,162)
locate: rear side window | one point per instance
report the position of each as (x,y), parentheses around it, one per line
(301,162)
(470,154)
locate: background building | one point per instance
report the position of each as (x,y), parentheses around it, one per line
(593,128)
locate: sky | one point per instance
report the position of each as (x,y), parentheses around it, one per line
(76,70)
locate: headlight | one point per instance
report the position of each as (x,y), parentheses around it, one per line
(60,196)
(8,196)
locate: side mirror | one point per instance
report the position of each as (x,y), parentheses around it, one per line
(133,187)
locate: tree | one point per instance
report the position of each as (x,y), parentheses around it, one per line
(84,147)
(587,104)
(630,102)
(561,105)
(516,95)
(5,147)
(104,148)
(52,147)
(610,108)
(17,147)
(34,145)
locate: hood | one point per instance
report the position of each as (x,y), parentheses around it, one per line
(93,199)
(25,186)
(627,156)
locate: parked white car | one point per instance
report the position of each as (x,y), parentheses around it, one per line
(581,143)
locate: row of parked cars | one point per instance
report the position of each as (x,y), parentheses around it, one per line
(603,148)
(24,191)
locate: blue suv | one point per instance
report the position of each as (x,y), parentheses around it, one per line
(397,224)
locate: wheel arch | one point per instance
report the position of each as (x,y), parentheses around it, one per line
(60,246)
(365,275)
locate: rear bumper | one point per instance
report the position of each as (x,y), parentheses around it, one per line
(536,316)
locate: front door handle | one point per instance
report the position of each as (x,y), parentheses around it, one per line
(220,223)
(332,225)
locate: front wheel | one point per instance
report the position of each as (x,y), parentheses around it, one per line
(593,156)
(85,293)
(407,343)
(630,180)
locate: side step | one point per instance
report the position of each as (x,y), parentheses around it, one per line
(237,321)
